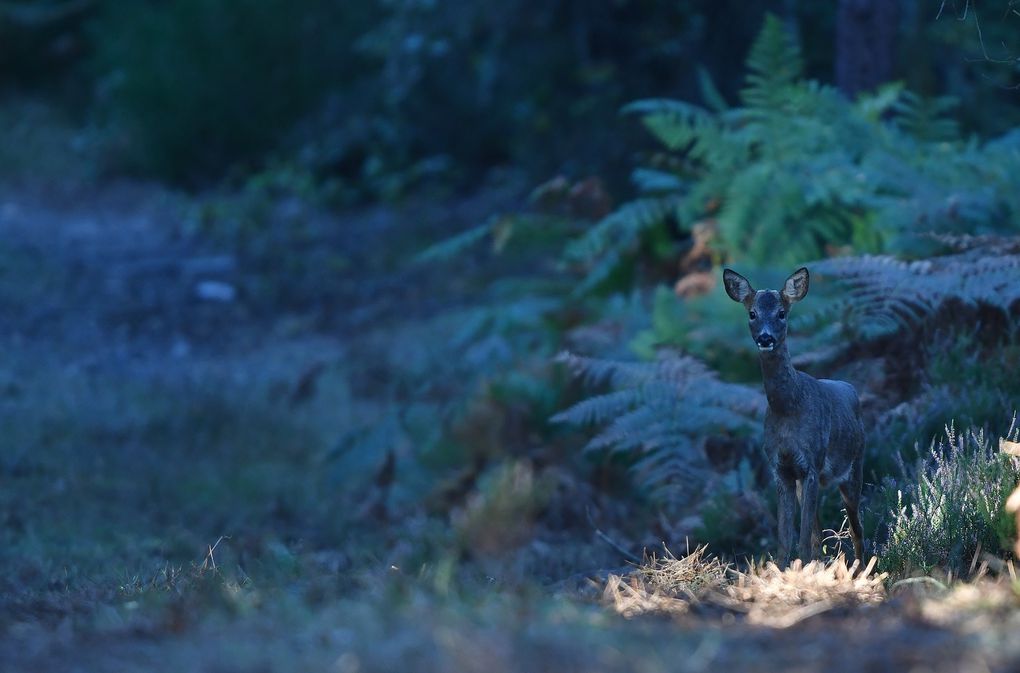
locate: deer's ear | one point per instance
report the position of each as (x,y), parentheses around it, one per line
(737,286)
(796,286)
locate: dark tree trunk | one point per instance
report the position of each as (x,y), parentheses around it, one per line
(866,32)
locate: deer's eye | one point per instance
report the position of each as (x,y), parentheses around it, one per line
(782,314)
(753,315)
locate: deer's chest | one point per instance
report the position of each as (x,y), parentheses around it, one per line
(796,444)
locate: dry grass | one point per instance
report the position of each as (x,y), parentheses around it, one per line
(781,598)
(764,593)
(692,575)
(666,585)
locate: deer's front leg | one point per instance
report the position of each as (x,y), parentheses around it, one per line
(787,491)
(808,515)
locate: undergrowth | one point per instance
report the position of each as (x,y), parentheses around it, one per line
(882,192)
(953,506)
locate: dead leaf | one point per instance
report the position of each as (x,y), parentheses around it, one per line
(695,284)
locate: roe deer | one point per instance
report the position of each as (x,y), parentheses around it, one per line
(813,429)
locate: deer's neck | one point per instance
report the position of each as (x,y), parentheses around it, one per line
(782,386)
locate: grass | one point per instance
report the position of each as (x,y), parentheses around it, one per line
(156,506)
(762,593)
(147,466)
(164,511)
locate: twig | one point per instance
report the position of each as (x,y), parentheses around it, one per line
(611,542)
(210,561)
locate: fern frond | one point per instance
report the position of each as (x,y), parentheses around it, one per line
(774,64)
(658,413)
(598,409)
(887,294)
(455,246)
(650,181)
(616,235)
(675,124)
(927,118)
(710,92)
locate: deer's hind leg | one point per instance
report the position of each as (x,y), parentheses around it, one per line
(851,492)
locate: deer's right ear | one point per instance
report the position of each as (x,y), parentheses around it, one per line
(737,287)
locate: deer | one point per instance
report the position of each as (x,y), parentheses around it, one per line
(814,435)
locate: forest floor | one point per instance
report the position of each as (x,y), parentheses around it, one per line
(167,502)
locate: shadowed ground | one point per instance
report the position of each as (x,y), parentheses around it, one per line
(145,417)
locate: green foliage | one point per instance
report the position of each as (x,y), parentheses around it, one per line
(885,294)
(774,67)
(381,92)
(201,84)
(617,238)
(658,415)
(478,369)
(953,503)
(799,172)
(927,120)
(795,173)
(974,378)
(965,372)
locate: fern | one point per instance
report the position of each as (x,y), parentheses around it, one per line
(710,92)
(886,294)
(926,119)
(799,170)
(675,124)
(455,246)
(658,413)
(774,64)
(616,236)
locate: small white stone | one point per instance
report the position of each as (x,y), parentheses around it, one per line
(215,290)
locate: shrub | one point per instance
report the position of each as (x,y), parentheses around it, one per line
(956,504)
(658,414)
(200,84)
(798,172)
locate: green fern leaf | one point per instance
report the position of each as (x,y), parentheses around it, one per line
(774,64)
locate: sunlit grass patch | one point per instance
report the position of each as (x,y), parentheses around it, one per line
(764,593)
(781,598)
(665,585)
(690,575)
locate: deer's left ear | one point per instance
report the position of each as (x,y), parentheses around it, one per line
(796,286)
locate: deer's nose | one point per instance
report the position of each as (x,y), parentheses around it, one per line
(765,340)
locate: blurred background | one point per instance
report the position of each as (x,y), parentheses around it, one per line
(406,302)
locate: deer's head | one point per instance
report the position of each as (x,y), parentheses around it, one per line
(767,310)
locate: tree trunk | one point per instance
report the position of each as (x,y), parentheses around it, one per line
(866,33)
